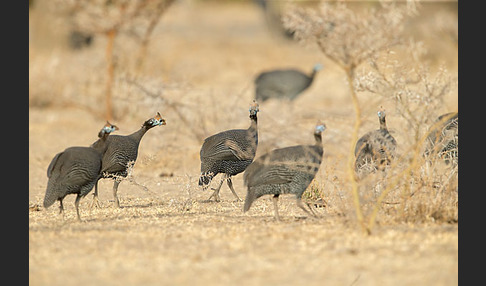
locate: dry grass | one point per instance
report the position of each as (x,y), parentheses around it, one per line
(361,42)
(199,75)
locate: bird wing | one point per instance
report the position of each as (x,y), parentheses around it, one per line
(376,144)
(74,167)
(361,144)
(266,173)
(283,82)
(384,143)
(53,164)
(280,166)
(238,152)
(229,148)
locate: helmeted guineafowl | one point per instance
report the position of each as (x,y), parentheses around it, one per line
(122,150)
(283,84)
(443,138)
(76,170)
(288,170)
(229,152)
(375,149)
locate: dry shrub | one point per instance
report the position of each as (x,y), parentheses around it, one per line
(348,36)
(136,19)
(363,42)
(417,188)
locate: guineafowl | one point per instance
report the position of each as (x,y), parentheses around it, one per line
(122,150)
(375,149)
(283,84)
(443,138)
(76,170)
(229,152)
(288,170)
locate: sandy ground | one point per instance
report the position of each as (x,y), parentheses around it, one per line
(165,233)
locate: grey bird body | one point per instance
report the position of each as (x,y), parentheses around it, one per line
(283,84)
(443,138)
(229,152)
(287,170)
(75,171)
(120,151)
(375,149)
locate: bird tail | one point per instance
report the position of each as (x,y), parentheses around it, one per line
(250,197)
(205,179)
(50,197)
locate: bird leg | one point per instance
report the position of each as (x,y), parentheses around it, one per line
(301,205)
(96,201)
(115,197)
(76,204)
(275,206)
(61,208)
(312,211)
(216,191)
(230,185)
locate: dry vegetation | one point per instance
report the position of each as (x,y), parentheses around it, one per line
(200,61)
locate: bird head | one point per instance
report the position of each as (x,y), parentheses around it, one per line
(317,67)
(254,108)
(320,127)
(154,121)
(107,129)
(381,116)
(381,113)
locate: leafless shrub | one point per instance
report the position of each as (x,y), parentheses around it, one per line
(111,18)
(346,36)
(362,43)
(417,93)
(176,98)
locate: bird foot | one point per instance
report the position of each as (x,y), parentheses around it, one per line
(95,203)
(215,196)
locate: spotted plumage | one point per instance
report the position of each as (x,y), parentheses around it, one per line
(229,152)
(376,149)
(283,83)
(287,170)
(121,151)
(76,170)
(443,139)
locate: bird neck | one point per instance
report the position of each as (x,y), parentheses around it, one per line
(383,124)
(318,137)
(137,135)
(253,127)
(100,144)
(254,122)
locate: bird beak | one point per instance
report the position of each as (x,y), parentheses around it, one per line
(109,125)
(159,119)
